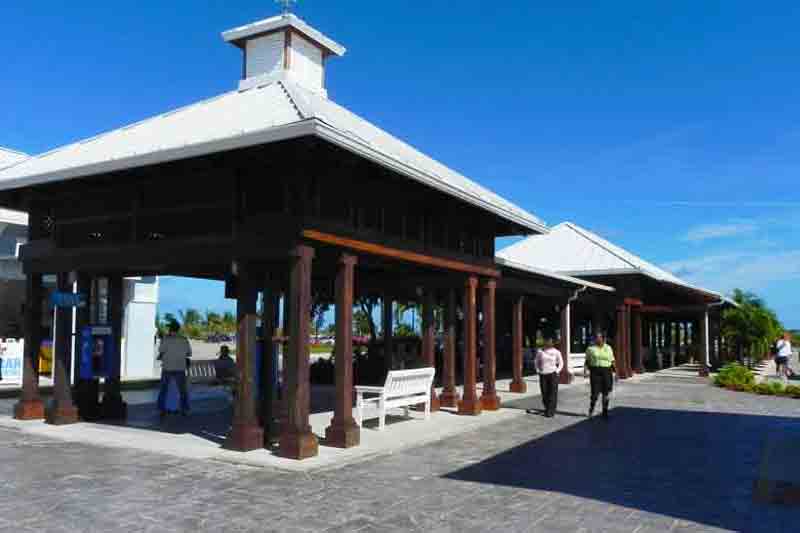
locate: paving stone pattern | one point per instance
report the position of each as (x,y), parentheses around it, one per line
(677,455)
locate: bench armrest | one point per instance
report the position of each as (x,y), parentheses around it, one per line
(368,389)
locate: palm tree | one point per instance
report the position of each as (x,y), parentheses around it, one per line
(190,317)
(751,326)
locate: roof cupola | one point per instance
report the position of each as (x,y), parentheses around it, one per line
(283,47)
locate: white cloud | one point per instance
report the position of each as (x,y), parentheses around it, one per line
(747,270)
(705,232)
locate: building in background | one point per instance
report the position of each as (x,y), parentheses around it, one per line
(141,300)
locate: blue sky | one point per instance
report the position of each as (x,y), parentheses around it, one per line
(671,129)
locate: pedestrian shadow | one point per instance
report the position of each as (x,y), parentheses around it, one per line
(694,466)
(540,411)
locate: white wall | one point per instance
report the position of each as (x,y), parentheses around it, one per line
(139,329)
(265,55)
(306,63)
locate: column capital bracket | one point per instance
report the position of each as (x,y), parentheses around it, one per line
(302,251)
(347,258)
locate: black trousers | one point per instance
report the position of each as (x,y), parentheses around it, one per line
(548,383)
(601,381)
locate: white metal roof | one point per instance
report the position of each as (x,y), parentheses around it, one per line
(553,275)
(570,249)
(10,157)
(276,23)
(275,111)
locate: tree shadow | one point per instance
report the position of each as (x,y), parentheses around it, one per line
(694,466)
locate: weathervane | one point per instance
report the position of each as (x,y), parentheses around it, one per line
(286,4)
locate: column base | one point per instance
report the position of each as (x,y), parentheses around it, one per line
(565,379)
(61,415)
(436,404)
(295,445)
(113,408)
(490,401)
(29,410)
(245,437)
(470,407)
(519,387)
(343,435)
(703,372)
(449,398)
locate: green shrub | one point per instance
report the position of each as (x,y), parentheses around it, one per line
(792,390)
(735,376)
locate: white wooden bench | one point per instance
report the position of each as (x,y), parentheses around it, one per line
(205,372)
(403,388)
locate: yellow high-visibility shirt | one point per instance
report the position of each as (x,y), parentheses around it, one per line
(600,356)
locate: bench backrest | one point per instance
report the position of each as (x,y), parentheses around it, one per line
(408,382)
(202,370)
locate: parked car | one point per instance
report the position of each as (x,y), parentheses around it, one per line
(219,337)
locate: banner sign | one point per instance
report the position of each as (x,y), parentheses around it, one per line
(67,299)
(98,357)
(11,361)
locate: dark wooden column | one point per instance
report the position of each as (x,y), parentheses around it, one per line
(490,401)
(85,390)
(343,431)
(449,397)
(388,328)
(84,285)
(565,377)
(113,407)
(246,432)
(429,340)
(619,342)
(61,410)
(269,388)
(470,404)
(517,320)
(704,340)
(636,335)
(628,343)
(30,405)
(297,441)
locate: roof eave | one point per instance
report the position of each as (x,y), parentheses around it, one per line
(553,275)
(236,36)
(269,135)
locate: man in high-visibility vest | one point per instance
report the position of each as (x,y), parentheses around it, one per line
(600,361)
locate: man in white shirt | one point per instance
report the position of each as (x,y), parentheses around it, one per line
(174,354)
(549,363)
(783,353)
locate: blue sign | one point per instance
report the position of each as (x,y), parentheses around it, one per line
(67,299)
(98,355)
(10,368)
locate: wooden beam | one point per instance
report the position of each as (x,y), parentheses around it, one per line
(401,255)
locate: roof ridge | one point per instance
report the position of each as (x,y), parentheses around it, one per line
(301,104)
(603,243)
(12,151)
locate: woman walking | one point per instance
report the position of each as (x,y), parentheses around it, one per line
(783,352)
(549,363)
(600,361)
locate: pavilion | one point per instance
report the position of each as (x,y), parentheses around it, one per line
(277,190)
(651,308)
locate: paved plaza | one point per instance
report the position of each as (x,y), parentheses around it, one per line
(677,455)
